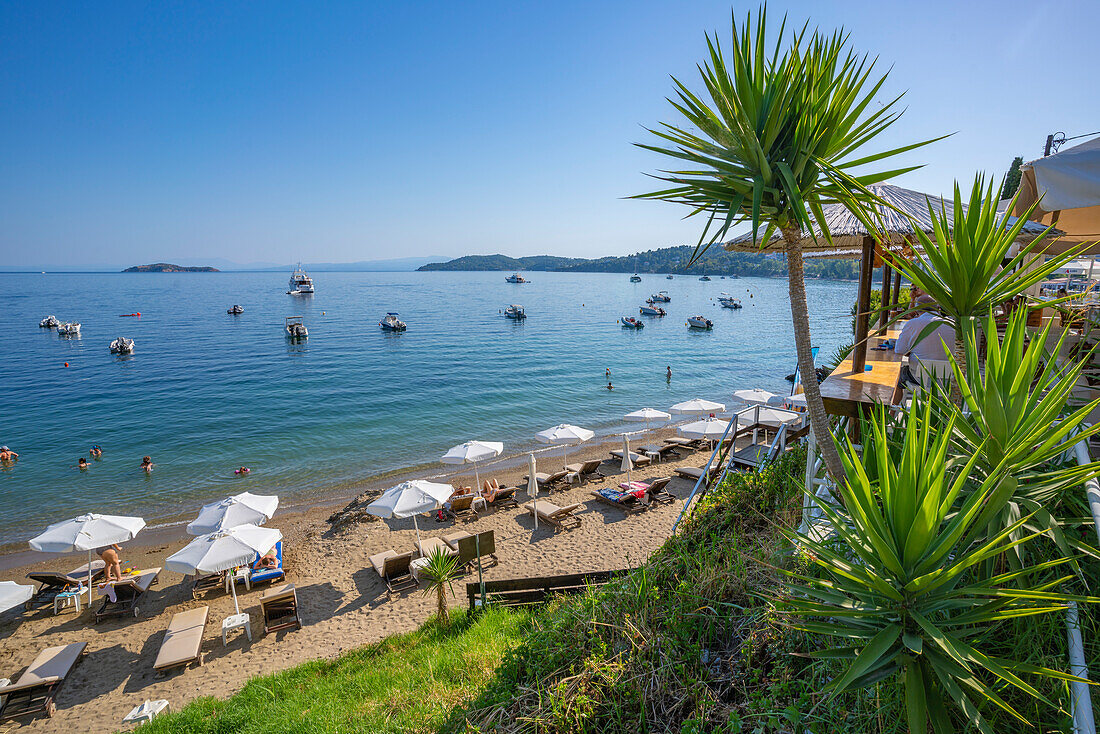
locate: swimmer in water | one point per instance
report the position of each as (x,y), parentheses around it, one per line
(243,470)
(668,372)
(609,386)
(81,463)
(147,464)
(7,455)
(96,452)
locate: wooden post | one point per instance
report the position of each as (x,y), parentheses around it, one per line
(866,270)
(885,312)
(896,300)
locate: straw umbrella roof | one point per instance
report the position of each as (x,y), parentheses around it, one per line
(848,232)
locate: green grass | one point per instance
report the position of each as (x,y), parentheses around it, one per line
(406,683)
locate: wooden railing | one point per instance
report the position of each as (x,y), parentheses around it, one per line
(536,590)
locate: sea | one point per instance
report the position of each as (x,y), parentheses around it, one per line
(205,392)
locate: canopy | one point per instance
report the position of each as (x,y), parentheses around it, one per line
(224,550)
(773,417)
(240,509)
(564,433)
(698,406)
(1069,184)
(13,594)
(646,415)
(711,429)
(409,499)
(87,532)
(755,396)
(472,452)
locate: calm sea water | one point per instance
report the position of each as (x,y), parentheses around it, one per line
(206,392)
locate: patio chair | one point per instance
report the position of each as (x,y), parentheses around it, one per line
(462,508)
(625,501)
(472,547)
(50,583)
(128,593)
(635,458)
(586,470)
(182,643)
(560,517)
(36,689)
(279,609)
(395,569)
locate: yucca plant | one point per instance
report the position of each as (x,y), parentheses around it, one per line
(901,581)
(439,573)
(775,137)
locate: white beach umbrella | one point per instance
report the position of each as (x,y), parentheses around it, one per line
(645,415)
(223,550)
(755,396)
(472,452)
(87,532)
(533,485)
(13,594)
(409,499)
(795,401)
(698,406)
(627,465)
(710,429)
(240,509)
(564,435)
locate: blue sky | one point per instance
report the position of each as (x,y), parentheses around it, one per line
(137,132)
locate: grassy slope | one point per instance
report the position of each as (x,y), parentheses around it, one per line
(406,683)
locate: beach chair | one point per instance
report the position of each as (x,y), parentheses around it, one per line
(203,585)
(560,517)
(269,575)
(547,481)
(279,609)
(463,508)
(501,497)
(693,473)
(35,690)
(427,545)
(660,451)
(472,547)
(625,501)
(182,643)
(635,458)
(50,583)
(657,491)
(688,444)
(127,594)
(586,470)
(395,569)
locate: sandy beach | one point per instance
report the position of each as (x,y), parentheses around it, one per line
(344,603)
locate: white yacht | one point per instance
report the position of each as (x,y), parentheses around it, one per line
(652,309)
(660,297)
(700,322)
(300,283)
(516,312)
(729,301)
(635,278)
(69,328)
(390,322)
(122,345)
(295,329)
(516,278)
(50,322)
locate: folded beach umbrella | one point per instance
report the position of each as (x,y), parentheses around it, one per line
(755,396)
(565,435)
(533,485)
(13,594)
(698,406)
(645,415)
(223,550)
(626,465)
(240,509)
(409,499)
(710,429)
(87,532)
(472,452)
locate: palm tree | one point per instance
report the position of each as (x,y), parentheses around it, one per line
(438,575)
(778,140)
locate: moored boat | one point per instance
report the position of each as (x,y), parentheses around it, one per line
(516,312)
(705,277)
(300,283)
(699,322)
(50,322)
(652,310)
(390,322)
(635,278)
(729,301)
(235,310)
(295,329)
(668,277)
(629,322)
(660,297)
(122,345)
(69,328)
(516,278)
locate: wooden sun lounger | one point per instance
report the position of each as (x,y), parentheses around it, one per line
(686,443)
(658,492)
(127,593)
(618,498)
(205,584)
(547,481)
(503,497)
(462,507)
(468,545)
(427,545)
(660,450)
(586,470)
(395,569)
(182,643)
(559,517)
(694,472)
(279,609)
(50,584)
(635,458)
(35,690)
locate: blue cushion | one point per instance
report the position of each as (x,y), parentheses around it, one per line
(270,574)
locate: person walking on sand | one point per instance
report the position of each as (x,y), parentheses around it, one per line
(147,464)
(109,554)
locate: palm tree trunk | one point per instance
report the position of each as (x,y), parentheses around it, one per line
(441,606)
(819,421)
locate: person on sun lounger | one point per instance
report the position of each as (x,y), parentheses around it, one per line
(109,554)
(490,490)
(268,560)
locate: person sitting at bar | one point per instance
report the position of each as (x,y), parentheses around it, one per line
(923,337)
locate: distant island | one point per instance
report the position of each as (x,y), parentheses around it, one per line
(715,261)
(168,268)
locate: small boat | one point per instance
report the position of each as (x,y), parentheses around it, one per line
(652,310)
(660,297)
(515,312)
(516,278)
(122,345)
(50,322)
(705,277)
(668,277)
(635,278)
(729,301)
(300,283)
(629,322)
(295,329)
(699,322)
(390,322)
(69,328)
(235,310)
(723,277)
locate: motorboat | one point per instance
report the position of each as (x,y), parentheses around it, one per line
(729,301)
(515,312)
(390,322)
(300,283)
(660,297)
(69,328)
(652,310)
(295,329)
(699,322)
(516,278)
(705,277)
(122,345)
(668,277)
(235,310)
(635,278)
(629,322)
(50,322)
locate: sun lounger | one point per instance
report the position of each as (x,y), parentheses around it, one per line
(694,472)
(502,497)
(462,507)
(559,517)
(657,491)
(182,643)
(547,481)
(635,458)
(270,575)
(127,594)
(685,443)
(660,451)
(205,584)
(625,501)
(35,690)
(395,569)
(427,545)
(50,584)
(586,470)
(279,609)
(472,547)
